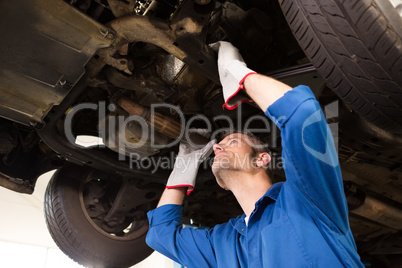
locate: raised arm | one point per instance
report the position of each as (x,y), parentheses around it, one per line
(192,152)
(166,235)
(173,196)
(264,90)
(237,79)
(310,160)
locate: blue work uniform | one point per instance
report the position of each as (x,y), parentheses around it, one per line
(302,222)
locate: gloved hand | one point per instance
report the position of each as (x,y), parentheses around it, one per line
(232,73)
(192,153)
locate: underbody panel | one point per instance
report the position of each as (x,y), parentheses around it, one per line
(38,70)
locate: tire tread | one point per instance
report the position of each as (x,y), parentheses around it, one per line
(352,45)
(69,237)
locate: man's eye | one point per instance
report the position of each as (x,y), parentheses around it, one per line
(233,142)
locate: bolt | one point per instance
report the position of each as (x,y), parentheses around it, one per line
(110,36)
(106,34)
(103,32)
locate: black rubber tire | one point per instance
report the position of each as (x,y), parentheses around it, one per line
(70,228)
(356,45)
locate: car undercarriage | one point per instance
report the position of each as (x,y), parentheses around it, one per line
(75,69)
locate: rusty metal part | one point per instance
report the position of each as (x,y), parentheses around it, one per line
(146,29)
(374,178)
(134,135)
(130,139)
(156,121)
(380,212)
(45,51)
(371,208)
(151,85)
(15,184)
(370,157)
(122,8)
(184,38)
(123,50)
(132,107)
(364,230)
(170,68)
(165,125)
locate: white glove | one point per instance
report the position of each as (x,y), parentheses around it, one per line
(232,73)
(191,154)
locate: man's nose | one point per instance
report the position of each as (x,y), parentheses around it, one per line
(217,147)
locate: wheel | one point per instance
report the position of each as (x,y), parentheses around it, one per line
(356,45)
(76,203)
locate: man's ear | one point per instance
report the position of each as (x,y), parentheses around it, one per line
(263,159)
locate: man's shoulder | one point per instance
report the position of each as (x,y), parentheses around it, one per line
(283,109)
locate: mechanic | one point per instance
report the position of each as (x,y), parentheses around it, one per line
(302,222)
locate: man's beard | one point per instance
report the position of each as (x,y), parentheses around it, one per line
(224,164)
(221,175)
(225,168)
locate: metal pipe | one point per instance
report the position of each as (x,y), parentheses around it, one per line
(163,124)
(380,212)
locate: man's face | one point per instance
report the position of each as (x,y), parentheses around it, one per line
(233,153)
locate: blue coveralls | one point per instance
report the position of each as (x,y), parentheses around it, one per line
(302,222)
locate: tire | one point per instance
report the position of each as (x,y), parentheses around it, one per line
(77,234)
(356,45)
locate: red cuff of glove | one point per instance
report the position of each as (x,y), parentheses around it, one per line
(190,188)
(241,86)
